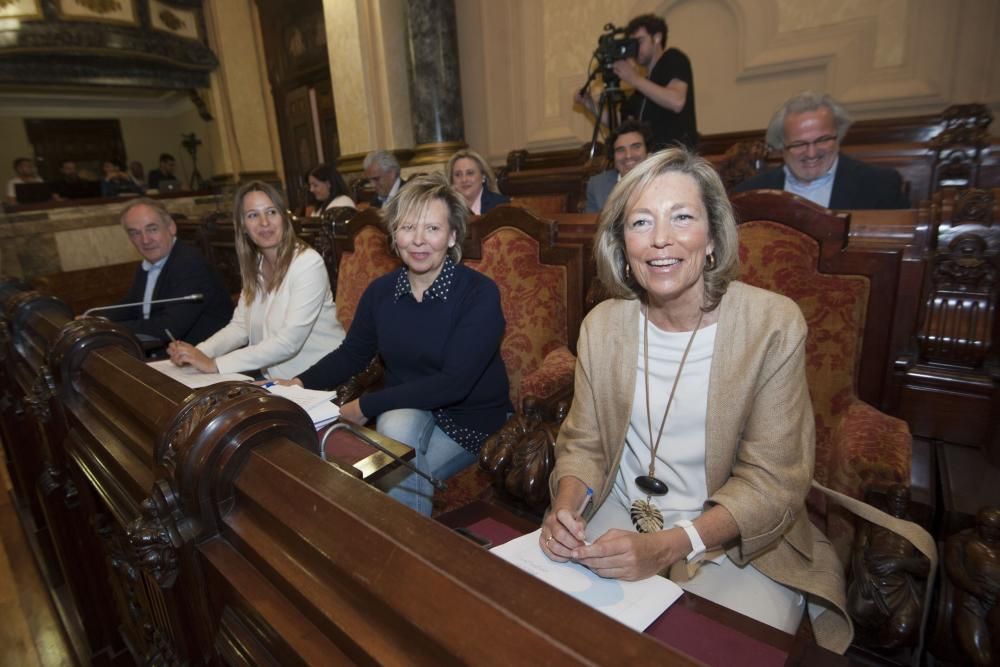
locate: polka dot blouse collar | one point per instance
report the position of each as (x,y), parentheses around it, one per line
(438,290)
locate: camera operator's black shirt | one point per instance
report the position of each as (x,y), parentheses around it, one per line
(668,127)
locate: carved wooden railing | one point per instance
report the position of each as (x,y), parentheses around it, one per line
(199,526)
(947,380)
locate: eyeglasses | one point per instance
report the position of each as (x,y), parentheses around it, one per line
(802,146)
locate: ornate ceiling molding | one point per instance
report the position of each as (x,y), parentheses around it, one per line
(145,43)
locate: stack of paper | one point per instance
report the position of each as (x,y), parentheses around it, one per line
(318,404)
(633,603)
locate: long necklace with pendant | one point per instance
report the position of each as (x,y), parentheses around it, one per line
(645,515)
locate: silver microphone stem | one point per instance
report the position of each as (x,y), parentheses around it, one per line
(188,297)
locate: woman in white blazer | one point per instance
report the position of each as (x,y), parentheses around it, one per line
(286,319)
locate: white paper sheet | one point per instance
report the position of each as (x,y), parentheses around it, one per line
(316,403)
(192,377)
(633,603)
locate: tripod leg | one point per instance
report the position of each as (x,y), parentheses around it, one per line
(602,104)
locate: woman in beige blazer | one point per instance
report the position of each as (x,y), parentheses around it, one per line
(691,425)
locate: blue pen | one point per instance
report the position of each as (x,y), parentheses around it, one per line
(586,499)
(267,385)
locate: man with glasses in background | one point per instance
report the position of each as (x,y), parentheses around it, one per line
(808,129)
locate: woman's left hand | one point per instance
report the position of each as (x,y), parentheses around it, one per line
(352,412)
(622,554)
(185,354)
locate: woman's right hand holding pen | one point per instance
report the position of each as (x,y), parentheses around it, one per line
(185,354)
(564,527)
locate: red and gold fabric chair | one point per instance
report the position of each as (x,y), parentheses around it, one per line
(541,293)
(847,295)
(363,254)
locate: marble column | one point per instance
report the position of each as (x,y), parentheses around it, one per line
(435,88)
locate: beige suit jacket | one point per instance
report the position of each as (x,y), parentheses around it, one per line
(759,438)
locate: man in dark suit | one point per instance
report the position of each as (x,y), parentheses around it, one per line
(169,269)
(382,171)
(808,129)
(628,145)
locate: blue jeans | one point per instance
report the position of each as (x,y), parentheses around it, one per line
(436,454)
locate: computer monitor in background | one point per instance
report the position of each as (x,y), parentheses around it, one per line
(32,193)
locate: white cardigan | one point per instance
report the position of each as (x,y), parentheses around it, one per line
(283,332)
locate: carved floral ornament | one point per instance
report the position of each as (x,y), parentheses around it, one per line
(171,20)
(192,416)
(965,124)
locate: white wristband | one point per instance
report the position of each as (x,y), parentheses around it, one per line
(697,546)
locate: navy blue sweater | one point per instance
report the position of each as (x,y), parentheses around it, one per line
(441,354)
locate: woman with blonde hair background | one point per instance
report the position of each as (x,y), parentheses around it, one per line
(286,319)
(473,177)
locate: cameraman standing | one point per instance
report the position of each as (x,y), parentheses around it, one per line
(665,99)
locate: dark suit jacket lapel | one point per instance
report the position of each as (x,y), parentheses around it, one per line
(845,184)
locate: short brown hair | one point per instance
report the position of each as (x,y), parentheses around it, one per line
(609,244)
(418,193)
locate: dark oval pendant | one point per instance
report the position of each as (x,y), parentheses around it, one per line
(651,486)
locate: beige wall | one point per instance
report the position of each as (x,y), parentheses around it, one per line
(245,137)
(522,59)
(366,41)
(14,145)
(146,138)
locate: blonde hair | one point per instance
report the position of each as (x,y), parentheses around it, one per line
(609,244)
(249,254)
(491,178)
(414,198)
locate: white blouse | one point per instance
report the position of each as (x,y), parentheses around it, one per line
(680,459)
(283,332)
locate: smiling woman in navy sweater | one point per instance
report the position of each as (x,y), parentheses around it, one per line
(437,326)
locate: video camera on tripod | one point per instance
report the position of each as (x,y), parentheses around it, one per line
(613,45)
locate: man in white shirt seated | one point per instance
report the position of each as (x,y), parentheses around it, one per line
(628,145)
(169,269)
(808,130)
(24,168)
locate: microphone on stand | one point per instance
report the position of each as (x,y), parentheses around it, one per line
(341,426)
(189,297)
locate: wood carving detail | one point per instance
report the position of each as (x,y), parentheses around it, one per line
(960,308)
(154,537)
(42,391)
(171,20)
(191,418)
(972,563)
(888,574)
(521,455)
(958,149)
(964,124)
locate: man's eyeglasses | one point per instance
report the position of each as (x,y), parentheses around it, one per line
(825,141)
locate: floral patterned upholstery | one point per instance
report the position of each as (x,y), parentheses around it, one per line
(370,259)
(533,296)
(855,443)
